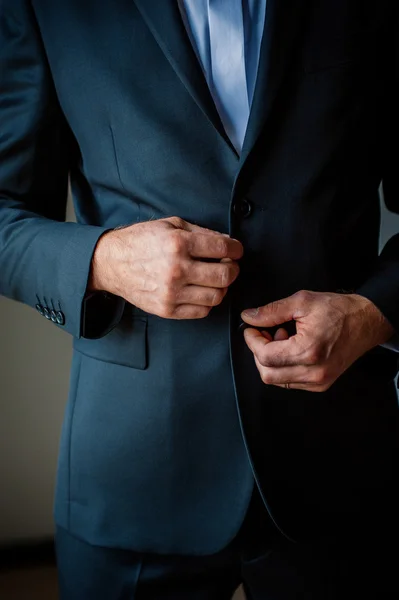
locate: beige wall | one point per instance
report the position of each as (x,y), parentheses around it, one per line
(35,358)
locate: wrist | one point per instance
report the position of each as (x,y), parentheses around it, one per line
(100,270)
(376,324)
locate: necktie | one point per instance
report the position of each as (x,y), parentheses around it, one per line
(226,29)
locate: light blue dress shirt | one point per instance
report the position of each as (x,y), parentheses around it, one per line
(226,36)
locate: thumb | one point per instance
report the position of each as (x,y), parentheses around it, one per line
(271,314)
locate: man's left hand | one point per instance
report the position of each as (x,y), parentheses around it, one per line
(332,331)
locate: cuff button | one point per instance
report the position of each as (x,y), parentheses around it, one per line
(40,309)
(60,318)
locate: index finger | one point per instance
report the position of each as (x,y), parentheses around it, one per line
(206,245)
(280,353)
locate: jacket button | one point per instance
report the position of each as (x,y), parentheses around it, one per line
(242,208)
(46,312)
(39,308)
(60,318)
(53,316)
(242,325)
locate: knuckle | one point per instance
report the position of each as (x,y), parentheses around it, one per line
(261,356)
(321,376)
(165,311)
(313,355)
(266,377)
(274,306)
(175,243)
(168,296)
(173,273)
(224,277)
(217,297)
(177,312)
(223,248)
(176,222)
(227,275)
(303,295)
(233,272)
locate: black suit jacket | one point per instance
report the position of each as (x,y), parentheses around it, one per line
(168,422)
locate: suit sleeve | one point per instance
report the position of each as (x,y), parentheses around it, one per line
(382,284)
(44,261)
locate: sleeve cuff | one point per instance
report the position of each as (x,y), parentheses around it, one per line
(392,343)
(101,312)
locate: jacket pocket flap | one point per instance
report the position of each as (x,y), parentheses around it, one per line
(124,345)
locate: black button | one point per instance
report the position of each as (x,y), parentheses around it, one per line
(60,318)
(39,308)
(53,316)
(242,325)
(242,208)
(46,312)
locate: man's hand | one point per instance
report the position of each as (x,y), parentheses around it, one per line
(161,267)
(332,331)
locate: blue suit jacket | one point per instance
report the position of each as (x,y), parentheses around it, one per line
(168,422)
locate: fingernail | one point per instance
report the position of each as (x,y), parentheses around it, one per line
(251,312)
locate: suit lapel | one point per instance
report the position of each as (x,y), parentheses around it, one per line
(164,20)
(283,23)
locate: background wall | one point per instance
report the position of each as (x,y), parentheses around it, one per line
(34,370)
(35,357)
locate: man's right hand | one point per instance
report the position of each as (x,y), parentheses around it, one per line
(161,267)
